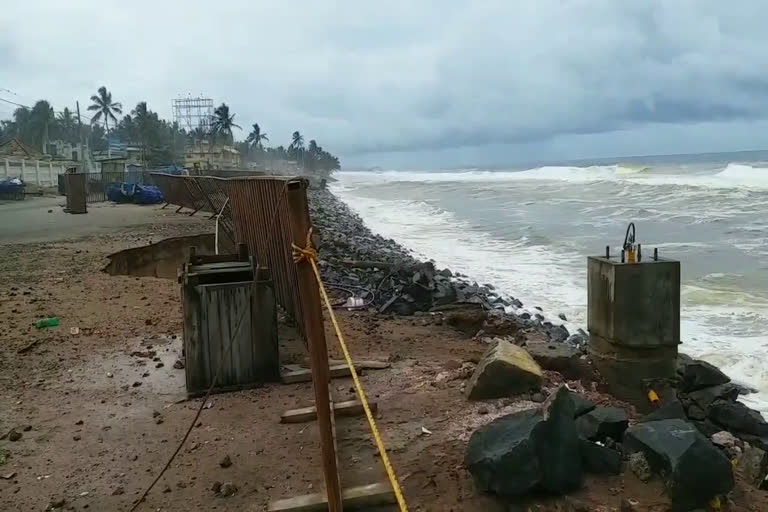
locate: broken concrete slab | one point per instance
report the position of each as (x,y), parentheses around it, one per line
(693,469)
(504,370)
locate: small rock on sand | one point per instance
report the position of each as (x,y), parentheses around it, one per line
(57,503)
(640,467)
(227,489)
(14,435)
(225,462)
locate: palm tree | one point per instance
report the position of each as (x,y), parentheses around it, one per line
(105,107)
(67,125)
(297,146)
(20,126)
(255,137)
(297,141)
(223,122)
(141,120)
(40,118)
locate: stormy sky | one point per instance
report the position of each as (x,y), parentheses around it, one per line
(417,83)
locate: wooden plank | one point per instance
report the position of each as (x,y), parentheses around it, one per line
(305,374)
(371,495)
(348,408)
(312,316)
(362,365)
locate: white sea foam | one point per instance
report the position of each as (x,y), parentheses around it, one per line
(719,322)
(534,272)
(734,175)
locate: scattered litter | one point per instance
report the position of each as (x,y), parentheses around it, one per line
(47,322)
(74,331)
(209,405)
(8,476)
(43,477)
(354,303)
(84,493)
(424,430)
(109,375)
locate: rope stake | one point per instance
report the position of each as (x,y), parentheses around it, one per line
(309,254)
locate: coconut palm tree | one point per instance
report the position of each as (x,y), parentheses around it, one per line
(41,118)
(141,120)
(104,107)
(255,137)
(223,122)
(297,141)
(67,125)
(297,146)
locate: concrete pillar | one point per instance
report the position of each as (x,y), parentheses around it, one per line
(51,177)
(23,170)
(37,172)
(634,323)
(6,167)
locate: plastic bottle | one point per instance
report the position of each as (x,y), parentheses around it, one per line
(47,322)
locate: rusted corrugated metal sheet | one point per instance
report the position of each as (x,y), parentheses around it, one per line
(253,210)
(261,220)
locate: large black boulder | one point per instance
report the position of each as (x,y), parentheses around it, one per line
(599,459)
(697,374)
(693,469)
(536,449)
(738,418)
(582,404)
(704,397)
(671,409)
(602,423)
(557,443)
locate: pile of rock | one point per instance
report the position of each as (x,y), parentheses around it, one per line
(705,398)
(389,278)
(550,448)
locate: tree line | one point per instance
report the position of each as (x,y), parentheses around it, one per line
(161,142)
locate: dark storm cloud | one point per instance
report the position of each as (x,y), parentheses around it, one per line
(364,76)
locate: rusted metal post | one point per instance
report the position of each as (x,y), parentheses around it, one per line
(298,213)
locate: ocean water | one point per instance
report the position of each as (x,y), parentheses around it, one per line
(528,231)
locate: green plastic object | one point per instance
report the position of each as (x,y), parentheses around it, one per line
(47,322)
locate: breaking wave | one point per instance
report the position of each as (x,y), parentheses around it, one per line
(734,175)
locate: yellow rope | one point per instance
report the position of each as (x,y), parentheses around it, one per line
(308,253)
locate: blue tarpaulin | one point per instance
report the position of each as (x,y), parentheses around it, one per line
(11,188)
(131,193)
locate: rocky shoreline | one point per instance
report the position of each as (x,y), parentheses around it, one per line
(695,435)
(388,277)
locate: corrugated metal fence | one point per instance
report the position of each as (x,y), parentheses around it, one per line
(252,210)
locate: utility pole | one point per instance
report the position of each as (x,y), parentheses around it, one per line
(82,143)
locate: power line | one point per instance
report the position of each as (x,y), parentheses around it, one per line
(14,103)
